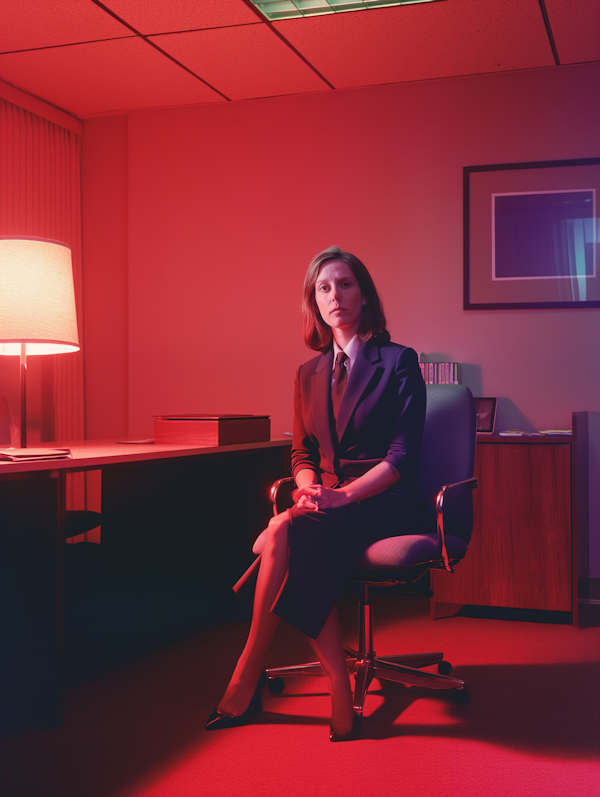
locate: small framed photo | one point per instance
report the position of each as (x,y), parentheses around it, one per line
(485,409)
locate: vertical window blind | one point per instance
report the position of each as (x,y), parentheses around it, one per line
(40,195)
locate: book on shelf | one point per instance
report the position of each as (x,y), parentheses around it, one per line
(440,373)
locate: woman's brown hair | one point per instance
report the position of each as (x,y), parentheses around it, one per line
(317,334)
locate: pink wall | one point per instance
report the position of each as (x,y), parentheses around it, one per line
(227,203)
(105,230)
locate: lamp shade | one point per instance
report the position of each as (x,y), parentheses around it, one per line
(37,297)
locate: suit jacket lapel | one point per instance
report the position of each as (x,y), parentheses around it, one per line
(362,373)
(321,389)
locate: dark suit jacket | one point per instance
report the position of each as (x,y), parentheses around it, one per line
(380,418)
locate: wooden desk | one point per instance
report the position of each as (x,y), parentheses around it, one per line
(532,494)
(168,512)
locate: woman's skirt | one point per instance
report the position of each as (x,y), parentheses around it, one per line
(326,546)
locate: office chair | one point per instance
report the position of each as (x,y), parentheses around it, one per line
(445,474)
(77,521)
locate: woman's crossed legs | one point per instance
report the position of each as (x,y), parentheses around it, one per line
(327,646)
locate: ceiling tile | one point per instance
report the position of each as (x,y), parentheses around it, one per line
(242,62)
(164,16)
(104,76)
(31,23)
(576,29)
(419,42)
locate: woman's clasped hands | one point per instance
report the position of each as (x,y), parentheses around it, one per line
(315,497)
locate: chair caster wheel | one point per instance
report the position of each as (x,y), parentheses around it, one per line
(276,685)
(444,668)
(461,695)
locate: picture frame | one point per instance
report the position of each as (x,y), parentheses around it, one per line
(531,235)
(485,410)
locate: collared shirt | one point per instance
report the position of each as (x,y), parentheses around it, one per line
(351,352)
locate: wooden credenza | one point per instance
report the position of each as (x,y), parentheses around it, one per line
(531,496)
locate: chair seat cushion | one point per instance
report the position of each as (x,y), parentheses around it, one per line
(397,553)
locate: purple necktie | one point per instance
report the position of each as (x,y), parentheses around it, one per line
(340,377)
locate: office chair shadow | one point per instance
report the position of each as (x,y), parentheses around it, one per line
(548,710)
(146,715)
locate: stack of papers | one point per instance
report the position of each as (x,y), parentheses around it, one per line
(33,454)
(519,433)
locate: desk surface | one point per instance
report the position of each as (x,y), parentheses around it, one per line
(92,454)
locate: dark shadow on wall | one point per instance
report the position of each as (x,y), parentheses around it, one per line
(509,416)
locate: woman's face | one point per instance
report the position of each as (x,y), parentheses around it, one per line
(339,299)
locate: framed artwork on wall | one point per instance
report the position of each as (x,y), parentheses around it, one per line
(531,235)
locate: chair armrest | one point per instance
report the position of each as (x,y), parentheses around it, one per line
(275,491)
(439,508)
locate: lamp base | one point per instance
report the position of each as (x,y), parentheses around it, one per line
(23,395)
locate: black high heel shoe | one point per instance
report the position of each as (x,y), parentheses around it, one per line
(334,736)
(217,721)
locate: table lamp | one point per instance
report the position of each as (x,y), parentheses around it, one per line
(37,303)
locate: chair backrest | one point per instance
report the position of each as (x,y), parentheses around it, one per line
(448,456)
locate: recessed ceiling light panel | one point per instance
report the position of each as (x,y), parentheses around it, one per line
(289,9)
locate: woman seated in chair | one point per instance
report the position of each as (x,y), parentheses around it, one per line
(359,412)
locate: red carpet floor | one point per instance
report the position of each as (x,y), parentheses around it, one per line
(532,726)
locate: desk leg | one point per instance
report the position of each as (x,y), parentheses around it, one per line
(31,562)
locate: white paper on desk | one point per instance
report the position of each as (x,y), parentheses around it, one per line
(149,441)
(33,454)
